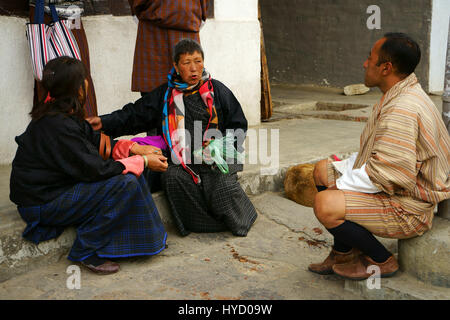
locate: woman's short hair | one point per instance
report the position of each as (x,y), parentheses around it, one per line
(62,79)
(186,46)
(402,51)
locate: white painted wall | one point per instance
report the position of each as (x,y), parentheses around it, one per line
(236,10)
(438,44)
(111,50)
(16,84)
(231,43)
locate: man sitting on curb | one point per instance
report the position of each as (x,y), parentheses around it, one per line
(391,187)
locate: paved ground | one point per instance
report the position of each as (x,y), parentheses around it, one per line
(305,102)
(270,263)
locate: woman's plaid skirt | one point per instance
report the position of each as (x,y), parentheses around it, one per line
(217,204)
(114,218)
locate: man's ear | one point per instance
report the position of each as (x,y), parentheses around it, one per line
(388,68)
(175,66)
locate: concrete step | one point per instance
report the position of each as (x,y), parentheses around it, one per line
(400,287)
(323,110)
(300,102)
(275,213)
(305,97)
(18,256)
(271,262)
(301,220)
(428,257)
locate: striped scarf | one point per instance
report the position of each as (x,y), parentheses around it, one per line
(174,112)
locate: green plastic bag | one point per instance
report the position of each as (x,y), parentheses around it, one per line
(218,151)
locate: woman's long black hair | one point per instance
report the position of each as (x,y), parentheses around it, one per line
(62,79)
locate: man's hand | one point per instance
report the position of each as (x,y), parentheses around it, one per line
(144,150)
(95,122)
(157,162)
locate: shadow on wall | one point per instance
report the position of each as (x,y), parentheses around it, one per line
(326,42)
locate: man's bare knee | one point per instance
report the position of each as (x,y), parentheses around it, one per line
(329,208)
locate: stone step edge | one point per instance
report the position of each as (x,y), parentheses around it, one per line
(17,256)
(401,286)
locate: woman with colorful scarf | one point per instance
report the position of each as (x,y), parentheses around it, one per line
(187,111)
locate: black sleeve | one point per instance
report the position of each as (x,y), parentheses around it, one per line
(96,136)
(134,118)
(74,152)
(233,115)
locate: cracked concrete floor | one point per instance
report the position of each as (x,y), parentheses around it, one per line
(270,263)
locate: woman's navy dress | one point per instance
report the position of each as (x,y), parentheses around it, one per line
(58,179)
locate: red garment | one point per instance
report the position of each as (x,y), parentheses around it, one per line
(134,165)
(162,24)
(48,99)
(122,149)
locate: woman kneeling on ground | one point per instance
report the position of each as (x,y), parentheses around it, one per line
(59,179)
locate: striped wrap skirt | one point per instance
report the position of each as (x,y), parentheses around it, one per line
(383,215)
(114,218)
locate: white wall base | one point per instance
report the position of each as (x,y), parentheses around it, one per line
(16,85)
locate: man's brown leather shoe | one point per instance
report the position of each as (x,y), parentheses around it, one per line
(335,257)
(107,268)
(357,270)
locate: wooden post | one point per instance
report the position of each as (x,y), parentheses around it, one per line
(266,96)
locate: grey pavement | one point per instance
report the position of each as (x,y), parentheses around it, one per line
(293,101)
(270,263)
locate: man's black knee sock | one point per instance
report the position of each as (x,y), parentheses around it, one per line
(338,245)
(357,236)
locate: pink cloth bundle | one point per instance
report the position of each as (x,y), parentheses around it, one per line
(134,165)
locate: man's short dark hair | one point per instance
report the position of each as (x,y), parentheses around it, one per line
(186,46)
(402,51)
